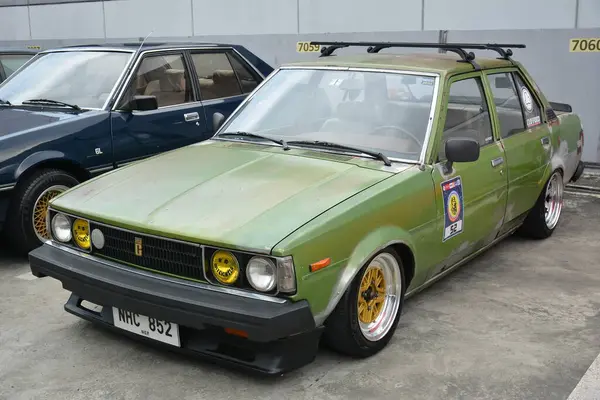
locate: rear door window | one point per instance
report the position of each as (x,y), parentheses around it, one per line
(508,105)
(216,76)
(531,108)
(248,80)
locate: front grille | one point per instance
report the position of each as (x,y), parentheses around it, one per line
(161,255)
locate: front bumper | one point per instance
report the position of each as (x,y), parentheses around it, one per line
(281,335)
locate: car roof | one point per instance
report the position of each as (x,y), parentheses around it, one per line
(419,62)
(133,46)
(7,50)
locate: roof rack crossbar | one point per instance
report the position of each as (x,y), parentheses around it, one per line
(458,48)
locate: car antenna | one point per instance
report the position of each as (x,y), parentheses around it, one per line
(132,63)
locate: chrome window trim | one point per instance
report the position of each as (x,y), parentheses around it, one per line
(127,79)
(432,110)
(118,82)
(197,285)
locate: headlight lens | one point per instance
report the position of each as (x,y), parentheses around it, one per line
(81,233)
(262,274)
(225,267)
(61,228)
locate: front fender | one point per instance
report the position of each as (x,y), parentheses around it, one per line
(37,158)
(369,245)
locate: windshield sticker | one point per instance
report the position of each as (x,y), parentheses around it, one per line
(427,81)
(533,121)
(527,100)
(452,193)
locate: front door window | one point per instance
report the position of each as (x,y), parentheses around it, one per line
(164,76)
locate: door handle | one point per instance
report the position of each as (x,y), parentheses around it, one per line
(191,117)
(545,141)
(497,161)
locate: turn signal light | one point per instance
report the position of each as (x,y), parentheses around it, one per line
(320,264)
(236,332)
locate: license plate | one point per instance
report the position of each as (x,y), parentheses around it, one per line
(163,331)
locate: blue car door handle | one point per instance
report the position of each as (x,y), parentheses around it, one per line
(190,117)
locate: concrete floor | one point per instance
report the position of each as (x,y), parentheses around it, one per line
(519,322)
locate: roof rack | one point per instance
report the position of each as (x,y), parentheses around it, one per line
(458,48)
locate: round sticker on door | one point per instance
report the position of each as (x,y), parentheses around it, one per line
(453,206)
(527,100)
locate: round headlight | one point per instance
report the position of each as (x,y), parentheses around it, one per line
(225,267)
(61,228)
(98,239)
(261,274)
(81,233)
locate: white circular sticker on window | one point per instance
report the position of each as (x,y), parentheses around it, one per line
(527,100)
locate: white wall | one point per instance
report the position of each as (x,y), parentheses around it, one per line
(271,28)
(88,19)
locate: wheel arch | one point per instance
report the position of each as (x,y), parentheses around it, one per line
(50,159)
(385,237)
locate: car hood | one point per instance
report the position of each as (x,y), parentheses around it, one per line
(222,193)
(14,120)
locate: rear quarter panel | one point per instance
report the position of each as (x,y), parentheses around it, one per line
(565,136)
(565,142)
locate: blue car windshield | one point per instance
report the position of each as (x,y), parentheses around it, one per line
(84,78)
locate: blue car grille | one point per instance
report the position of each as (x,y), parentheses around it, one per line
(160,255)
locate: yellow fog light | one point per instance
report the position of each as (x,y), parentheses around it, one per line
(81,233)
(225,267)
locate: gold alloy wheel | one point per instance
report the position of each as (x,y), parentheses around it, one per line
(371,296)
(40,209)
(379,296)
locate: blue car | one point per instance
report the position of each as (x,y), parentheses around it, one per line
(73,113)
(11,60)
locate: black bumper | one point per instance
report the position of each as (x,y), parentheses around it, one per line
(280,336)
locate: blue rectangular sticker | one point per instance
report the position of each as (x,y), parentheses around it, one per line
(452,192)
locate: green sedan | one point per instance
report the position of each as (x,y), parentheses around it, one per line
(340,187)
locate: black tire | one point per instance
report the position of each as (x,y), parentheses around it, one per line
(342,329)
(19,230)
(535,225)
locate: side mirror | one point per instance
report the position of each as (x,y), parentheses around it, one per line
(217,121)
(141,103)
(502,82)
(461,150)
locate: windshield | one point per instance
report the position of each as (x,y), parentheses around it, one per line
(377,111)
(84,78)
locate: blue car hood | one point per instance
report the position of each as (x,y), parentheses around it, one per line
(14,120)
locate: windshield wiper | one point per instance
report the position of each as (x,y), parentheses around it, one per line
(49,101)
(281,142)
(318,143)
(5,103)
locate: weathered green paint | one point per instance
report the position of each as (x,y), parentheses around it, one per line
(313,205)
(225,193)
